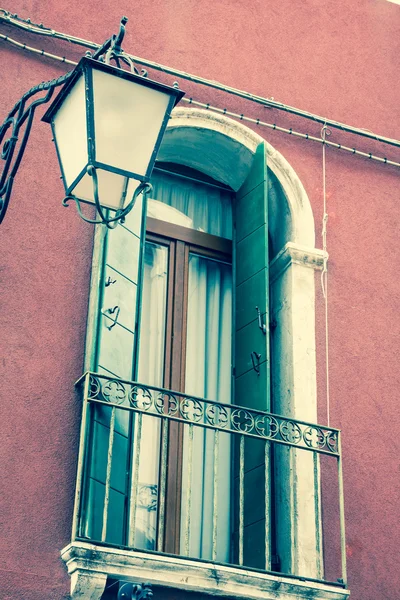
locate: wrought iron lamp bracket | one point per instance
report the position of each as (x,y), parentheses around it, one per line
(13,124)
(135,591)
(22,115)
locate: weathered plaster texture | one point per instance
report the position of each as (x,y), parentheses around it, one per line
(335,58)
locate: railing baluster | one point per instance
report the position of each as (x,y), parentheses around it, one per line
(76,520)
(317,509)
(135,479)
(215,495)
(189,489)
(241,499)
(108,475)
(341,511)
(267,506)
(162,486)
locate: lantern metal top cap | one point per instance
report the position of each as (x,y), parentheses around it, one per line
(87,63)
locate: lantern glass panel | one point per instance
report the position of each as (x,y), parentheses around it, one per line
(70,131)
(111,187)
(128,118)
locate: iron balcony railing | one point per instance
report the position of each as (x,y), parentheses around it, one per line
(245,459)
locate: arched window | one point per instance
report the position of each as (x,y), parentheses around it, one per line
(164,318)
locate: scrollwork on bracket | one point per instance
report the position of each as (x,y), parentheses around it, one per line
(135,591)
(22,114)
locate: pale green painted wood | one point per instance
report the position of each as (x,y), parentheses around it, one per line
(252,214)
(252,282)
(252,389)
(253,253)
(114,351)
(249,389)
(250,339)
(252,294)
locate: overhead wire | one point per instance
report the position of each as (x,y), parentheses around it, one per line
(224,111)
(40,29)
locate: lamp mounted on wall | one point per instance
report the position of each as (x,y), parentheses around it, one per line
(107,123)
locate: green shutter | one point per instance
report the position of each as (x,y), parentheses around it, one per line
(252,389)
(120,295)
(115,353)
(252,283)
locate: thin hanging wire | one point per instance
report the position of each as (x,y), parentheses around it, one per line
(325,132)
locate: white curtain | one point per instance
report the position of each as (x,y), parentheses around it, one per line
(208,375)
(193,204)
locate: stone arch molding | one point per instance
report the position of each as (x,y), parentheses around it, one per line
(223,149)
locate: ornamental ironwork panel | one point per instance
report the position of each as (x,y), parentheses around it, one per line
(202,412)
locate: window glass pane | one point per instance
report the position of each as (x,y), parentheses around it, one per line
(208,375)
(127,121)
(153,317)
(209,329)
(71,132)
(191,204)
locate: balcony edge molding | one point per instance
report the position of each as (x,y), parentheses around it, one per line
(292,253)
(90,565)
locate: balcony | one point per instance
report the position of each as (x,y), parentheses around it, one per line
(177,490)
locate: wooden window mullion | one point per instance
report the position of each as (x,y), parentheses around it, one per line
(175,441)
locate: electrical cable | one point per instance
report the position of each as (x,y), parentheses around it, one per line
(40,29)
(226,112)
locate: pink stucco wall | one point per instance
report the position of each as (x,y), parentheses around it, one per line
(331,57)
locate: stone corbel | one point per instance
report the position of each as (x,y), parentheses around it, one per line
(291,253)
(87,585)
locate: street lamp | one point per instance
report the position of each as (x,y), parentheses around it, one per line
(107,123)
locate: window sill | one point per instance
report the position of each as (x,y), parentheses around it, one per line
(89,565)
